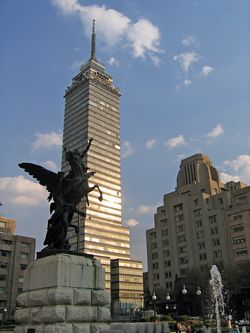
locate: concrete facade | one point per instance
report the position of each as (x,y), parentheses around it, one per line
(16,253)
(203,222)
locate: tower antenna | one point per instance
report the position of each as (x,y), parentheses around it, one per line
(93,50)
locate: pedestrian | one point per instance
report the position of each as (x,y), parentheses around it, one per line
(190,328)
(177,327)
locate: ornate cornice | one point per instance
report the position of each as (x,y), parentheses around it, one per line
(97,78)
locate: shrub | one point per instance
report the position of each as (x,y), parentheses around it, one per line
(167,318)
(184,318)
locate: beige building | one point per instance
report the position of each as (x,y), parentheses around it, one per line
(203,222)
(92,111)
(16,253)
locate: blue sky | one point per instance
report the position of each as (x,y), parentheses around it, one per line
(183,70)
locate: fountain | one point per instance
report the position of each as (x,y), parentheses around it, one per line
(217,287)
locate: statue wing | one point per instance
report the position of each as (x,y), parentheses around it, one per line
(44,176)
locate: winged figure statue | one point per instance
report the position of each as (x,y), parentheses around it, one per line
(66,191)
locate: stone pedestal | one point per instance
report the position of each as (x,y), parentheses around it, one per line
(63,293)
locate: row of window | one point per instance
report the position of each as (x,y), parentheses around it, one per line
(5,253)
(3,290)
(240,253)
(237,228)
(9,242)
(5,265)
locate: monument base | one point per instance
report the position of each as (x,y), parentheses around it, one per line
(63,293)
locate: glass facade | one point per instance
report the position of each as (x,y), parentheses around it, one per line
(92,111)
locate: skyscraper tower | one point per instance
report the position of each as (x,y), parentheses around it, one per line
(92,110)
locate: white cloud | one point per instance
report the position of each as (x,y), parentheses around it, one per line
(187,82)
(206,70)
(113,27)
(132,222)
(143,209)
(179,157)
(155,59)
(113,61)
(186,60)
(189,40)
(76,64)
(21,191)
(51,165)
(216,131)
(47,140)
(226,177)
(145,37)
(127,149)
(150,143)
(237,169)
(174,142)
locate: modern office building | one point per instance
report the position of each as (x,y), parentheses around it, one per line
(126,287)
(16,253)
(92,111)
(203,222)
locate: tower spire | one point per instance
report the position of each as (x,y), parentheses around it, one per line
(93,53)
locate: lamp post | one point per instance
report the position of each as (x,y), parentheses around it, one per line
(154,298)
(3,315)
(184,290)
(170,307)
(198,293)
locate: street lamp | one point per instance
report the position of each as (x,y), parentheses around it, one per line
(168,297)
(3,315)
(154,298)
(198,291)
(184,290)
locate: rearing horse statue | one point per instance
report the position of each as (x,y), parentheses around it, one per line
(66,192)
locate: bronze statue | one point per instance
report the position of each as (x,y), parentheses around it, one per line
(66,192)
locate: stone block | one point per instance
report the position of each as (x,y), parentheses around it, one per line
(103,314)
(53,314)
(97,327)
(60,296)
(158,328)
(22,315)
(141,327)
(61,270)
(165,327)
(100,297)
(59,328)
(99,277)
(19,329)
(81,328)
(125,327)
(23,299)
(37,297)
(37,328)
(35,315)
(82,297)
(111,331)
(77,313)
(150,328)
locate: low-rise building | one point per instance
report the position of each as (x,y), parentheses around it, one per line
(126,287)
(16,253)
